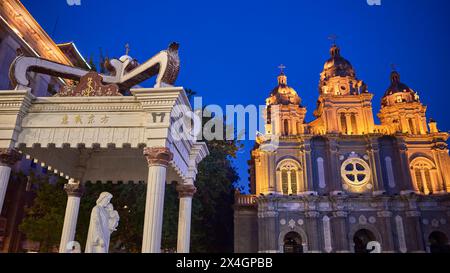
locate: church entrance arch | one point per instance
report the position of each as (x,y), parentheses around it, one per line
(361,238)
(438,242)
(293,243)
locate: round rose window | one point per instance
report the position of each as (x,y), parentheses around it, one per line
(355,171)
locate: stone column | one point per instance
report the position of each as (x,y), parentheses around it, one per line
(185,192)
(158,159)
(8,157)
(348,120)
(74,191)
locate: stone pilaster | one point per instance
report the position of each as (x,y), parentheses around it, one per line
(312,231)
(339,232)
(414,232)
(386,228)
(8,157)
(335,167)
(185,192)
(158,159)
(375,165)
(74,191)
(407,183)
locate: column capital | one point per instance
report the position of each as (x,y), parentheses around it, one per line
(413,213)
(74,189)
(384,214)
(158,156)
(312,214)
(9,157)
(186,190)
(340,214)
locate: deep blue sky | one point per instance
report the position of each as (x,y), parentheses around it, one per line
(230,49)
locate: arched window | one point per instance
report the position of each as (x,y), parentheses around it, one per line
(423,174)
(290,177)
(286,127)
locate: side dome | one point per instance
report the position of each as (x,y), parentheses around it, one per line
(398,92)
(283,94)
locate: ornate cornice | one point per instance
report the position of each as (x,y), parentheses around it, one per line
(74,189)
(158,156)
(9,157)
(186,190)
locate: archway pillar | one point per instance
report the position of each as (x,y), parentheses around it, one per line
(185,193)
(8,157)
(158,159)
(74,191)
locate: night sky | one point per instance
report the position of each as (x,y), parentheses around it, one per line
(230,50)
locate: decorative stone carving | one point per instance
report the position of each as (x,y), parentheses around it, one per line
(186,190)
(283,222)
(413,213)
(352,220)
(312,214)
(435,223)
(362,220)
(384,214)
(9,157)
(372,220)
(300,222)
(104,220)
(124,72)
(74,189)
(90,85)
(340,213)
(292,223)
(158,156)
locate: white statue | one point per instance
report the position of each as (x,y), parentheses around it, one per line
(104,220)
(113,221)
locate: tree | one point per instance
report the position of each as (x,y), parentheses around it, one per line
(44,219)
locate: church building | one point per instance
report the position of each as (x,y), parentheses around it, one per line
(338,182)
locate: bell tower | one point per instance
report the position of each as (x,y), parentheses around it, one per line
(401,109)
(284,114)
(344,105)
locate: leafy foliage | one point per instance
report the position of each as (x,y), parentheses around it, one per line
(44,220)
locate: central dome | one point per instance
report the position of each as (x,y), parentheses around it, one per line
(337,66)
(283,94)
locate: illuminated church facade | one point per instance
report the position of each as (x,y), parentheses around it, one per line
(341,181)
